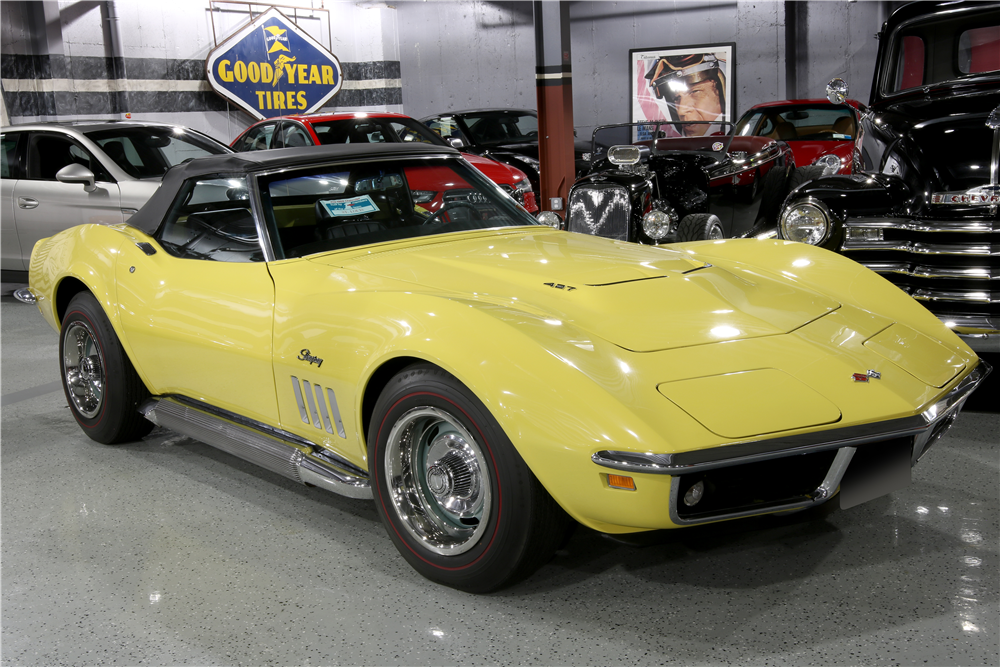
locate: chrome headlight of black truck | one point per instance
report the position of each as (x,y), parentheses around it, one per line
(808,221)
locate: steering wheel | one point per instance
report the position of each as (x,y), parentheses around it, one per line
(450,205)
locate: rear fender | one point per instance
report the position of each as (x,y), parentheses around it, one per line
(86,254)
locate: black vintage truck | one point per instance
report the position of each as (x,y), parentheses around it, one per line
(923,212)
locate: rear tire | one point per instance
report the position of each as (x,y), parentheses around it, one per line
(700,227)
(102,388)
(456,498)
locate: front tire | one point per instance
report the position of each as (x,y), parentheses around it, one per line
(457,500)
(102,388)
(699,227)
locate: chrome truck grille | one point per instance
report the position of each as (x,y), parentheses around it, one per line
(951,266)
(599,210)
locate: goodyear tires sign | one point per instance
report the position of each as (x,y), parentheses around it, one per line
(271,68)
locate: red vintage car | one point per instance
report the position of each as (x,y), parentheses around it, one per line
(818,132)
(380,127)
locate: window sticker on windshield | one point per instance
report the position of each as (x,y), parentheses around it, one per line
(352,206)
(841,136)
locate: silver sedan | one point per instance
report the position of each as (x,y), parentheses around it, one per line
(57,175)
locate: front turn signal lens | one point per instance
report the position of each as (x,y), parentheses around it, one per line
(621,482)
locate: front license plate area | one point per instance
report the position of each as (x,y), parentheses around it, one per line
(875,470)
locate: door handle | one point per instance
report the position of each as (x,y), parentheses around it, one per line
(27,202)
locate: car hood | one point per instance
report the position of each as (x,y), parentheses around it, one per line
(497,172)
(806,151)
(640,298)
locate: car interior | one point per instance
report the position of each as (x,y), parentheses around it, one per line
(318,211)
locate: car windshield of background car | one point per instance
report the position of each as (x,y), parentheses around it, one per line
(320,209)
(374,131)
(814,123)
(748,124)
(966,45)
(447,128)
(502,128)
(143,152)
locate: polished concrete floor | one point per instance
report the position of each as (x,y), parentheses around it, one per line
(168,552)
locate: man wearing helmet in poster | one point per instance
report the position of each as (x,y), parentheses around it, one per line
(693,88)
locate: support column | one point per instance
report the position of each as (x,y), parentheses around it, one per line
(554,85)
(796,50)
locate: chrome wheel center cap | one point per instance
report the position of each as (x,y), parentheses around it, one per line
(439,481)
(89,368)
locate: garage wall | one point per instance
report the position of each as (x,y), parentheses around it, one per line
(440,71)
(65,59)
(466,55)
(840,41)
(71,60)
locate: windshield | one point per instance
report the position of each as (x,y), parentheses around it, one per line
(320,209)
(147,152)
(502,127)
(375,131)
(802,122)
(942,49)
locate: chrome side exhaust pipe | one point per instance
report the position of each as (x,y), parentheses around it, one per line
(270,448)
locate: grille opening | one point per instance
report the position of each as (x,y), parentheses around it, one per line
(754,486)
(600,210)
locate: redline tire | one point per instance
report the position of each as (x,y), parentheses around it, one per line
(101,386)
(429,437)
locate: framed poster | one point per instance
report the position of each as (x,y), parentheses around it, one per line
(685,83)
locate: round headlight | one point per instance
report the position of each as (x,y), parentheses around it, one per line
(805,222)
(657,224)
(830,164)
(549,218)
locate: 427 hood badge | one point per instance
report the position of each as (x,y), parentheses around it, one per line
(306,355)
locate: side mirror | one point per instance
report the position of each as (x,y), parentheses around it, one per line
(77,173)
(836,91)
(456,142)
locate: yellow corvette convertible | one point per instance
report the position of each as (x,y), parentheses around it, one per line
(487,380)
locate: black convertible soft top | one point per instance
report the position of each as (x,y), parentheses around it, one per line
(149,216)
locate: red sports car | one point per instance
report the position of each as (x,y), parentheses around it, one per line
(819,132)
(380,127)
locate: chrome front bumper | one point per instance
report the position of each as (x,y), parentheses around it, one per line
(921,431)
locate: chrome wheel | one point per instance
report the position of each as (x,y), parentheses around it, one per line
(438,480)
(83,369)
(715,233)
